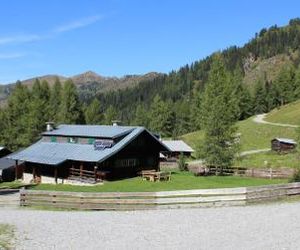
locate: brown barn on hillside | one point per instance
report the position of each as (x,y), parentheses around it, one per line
(283,145)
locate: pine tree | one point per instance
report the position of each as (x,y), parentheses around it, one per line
(260,98)
(243,95)
(297,83)
(93,113)
(284,84)
(16,128)
(38,109)
(220,108)
(195,108)
(182,121)
(162,117)
(110,115)
(70,107)
(141,116)
(55,101)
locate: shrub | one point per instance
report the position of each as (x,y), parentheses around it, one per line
(296,176)
(182,165)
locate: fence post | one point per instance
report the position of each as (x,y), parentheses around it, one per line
(95,172)
(22,196)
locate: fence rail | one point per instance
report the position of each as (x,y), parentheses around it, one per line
(157,200)
(272,173)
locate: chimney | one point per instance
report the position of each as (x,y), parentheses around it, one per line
(49,126)
(116,122)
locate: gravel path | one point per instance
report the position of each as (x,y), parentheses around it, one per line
(260,119)
(274,226)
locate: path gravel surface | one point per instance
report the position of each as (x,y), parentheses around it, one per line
(261,119)
(274,226)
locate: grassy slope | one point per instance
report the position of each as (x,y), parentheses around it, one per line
(289,114)
(274,160)
(253,135)
(179,180)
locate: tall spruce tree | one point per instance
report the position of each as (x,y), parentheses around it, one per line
(16,129)
(284,84)
(242,93)
(220,109)
(161,117)
(70,107)
(260,98)
(297,83)
(93,113)
(55,101)
(110,115)
(141,116)
(38,109)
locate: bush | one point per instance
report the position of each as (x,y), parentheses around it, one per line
(182,165)
(296,176)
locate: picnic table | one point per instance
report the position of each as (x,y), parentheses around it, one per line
(153,175)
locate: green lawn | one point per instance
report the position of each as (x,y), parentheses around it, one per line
(253,135)
(12,185)
(289,114)
(6,236)
(179,181)
(273,159)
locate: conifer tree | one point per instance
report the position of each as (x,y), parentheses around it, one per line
(16,128)
(161,117)
(110,115)
(93,113)
(260,98)
(243,95)
(38,109)
(220,108)
(55,101)
(297,83)
(141,116)
(70,107)
(284,84)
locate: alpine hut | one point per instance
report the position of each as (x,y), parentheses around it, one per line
(90,153)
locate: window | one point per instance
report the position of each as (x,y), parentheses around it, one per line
(127,163)
(53,139)
(91,141)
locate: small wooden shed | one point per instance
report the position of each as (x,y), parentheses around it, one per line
(283,145)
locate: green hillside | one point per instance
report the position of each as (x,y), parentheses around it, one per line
(272,159)
(253,135)
(288,114)
(258,136)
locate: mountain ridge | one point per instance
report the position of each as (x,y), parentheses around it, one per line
(86,81)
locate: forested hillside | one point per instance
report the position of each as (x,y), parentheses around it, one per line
(267,65)
(265,74)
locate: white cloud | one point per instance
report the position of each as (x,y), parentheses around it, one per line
(77,24)
(11,55)
(19,39)
(80,23)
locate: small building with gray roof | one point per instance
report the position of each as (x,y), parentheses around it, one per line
(177,147)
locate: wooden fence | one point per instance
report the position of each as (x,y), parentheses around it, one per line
(157,200)
(272,173)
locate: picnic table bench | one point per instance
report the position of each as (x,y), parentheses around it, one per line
(153,175)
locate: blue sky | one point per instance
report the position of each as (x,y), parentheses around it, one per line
(115,37)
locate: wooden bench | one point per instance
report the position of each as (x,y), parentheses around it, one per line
(152,175)
(163,176)
(147,174)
